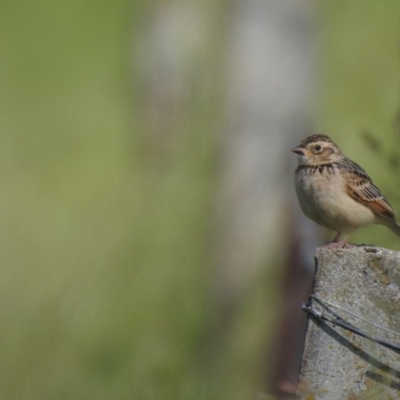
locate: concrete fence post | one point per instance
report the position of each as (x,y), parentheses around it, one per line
(362,281)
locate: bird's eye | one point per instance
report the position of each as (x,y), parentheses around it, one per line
(317,147)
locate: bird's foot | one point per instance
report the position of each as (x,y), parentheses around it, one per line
(338,245)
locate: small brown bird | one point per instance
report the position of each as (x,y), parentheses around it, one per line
(337,193)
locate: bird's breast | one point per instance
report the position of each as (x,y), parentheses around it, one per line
(323,197)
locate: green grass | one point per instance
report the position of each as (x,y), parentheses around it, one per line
(105,238)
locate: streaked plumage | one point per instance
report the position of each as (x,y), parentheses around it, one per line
(337,193)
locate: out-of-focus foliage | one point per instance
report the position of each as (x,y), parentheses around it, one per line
(360,94)
(105,233)
(105,237)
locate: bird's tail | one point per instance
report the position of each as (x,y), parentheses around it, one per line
(395,227)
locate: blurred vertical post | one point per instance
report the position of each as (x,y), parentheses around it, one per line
(268,98)
(258,223)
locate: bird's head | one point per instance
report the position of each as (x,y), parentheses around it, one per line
(317,150)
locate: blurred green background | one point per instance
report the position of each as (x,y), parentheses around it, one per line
(359,94)
(105,232)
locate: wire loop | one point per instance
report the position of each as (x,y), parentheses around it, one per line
(338,321)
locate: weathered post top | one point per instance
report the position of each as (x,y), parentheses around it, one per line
(363,281)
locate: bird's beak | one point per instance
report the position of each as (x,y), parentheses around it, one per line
(298,150)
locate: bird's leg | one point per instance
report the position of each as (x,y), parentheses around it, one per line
(338,244)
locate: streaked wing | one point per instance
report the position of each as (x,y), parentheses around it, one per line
(361,188)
